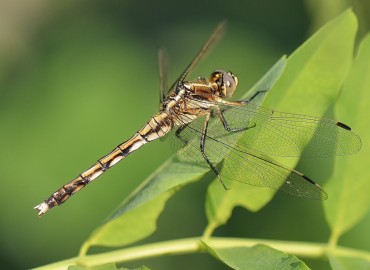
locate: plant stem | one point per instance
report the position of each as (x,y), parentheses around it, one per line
(334,236)
(193,245)
(84,248)
(208,231)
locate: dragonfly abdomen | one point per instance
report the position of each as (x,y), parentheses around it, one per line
(158,126)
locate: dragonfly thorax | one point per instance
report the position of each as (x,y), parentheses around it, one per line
(220,84)
(224,83)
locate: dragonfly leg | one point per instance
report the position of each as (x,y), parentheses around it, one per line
(202,147)
(226,125)
(255,95)
(242,102)
(178,133)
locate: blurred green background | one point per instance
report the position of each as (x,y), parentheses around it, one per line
(79,77)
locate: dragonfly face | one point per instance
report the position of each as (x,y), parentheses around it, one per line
(226,83)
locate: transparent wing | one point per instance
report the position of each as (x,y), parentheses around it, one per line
(206,46)
(244,166)
(263,132)
(163,73)
(285,134)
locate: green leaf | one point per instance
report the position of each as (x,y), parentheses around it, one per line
(132,227)
(317,69)
(348,263)
(309,85)
(349,187)
(219,205)
(259,257)
(170,177)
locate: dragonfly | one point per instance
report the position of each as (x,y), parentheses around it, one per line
(232,138)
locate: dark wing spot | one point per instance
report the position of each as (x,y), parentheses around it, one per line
(308,179)
(344,126)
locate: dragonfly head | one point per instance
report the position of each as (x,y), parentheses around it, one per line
(224,82)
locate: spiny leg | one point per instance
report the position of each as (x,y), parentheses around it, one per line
(220,112)
(202,146)
(242,102)
(179,131)
(226,125)
(254,96)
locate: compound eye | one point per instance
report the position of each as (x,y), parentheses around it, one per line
(230,83)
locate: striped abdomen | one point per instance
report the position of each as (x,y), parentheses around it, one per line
(158,126)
